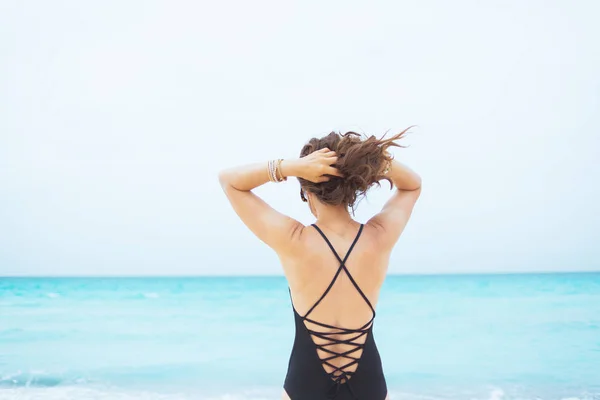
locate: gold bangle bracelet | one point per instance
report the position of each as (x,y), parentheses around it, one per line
(387,167)
(280,178)
(274,171)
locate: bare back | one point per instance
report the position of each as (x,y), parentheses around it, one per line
(321,284)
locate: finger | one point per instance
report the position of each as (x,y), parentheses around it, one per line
(331,160)
(324,150)
(333,171)
(323,178)
(330,154)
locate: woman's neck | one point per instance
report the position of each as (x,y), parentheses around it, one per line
(335,218)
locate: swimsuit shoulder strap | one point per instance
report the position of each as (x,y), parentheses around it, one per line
(342,267)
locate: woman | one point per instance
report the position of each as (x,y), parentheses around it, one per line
(336,266)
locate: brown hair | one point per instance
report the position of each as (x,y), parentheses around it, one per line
(361,161)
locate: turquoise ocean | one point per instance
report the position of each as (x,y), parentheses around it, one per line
(528,336)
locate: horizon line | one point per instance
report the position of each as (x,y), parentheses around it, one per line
(283,276)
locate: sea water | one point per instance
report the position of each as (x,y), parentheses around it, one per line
(530,336)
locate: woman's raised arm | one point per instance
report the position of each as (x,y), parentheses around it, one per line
(396,212)
(269,225)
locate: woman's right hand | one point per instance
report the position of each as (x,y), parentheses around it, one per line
(317,165)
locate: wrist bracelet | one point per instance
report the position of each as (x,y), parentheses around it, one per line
(387,167)
(278,169)
(274,170)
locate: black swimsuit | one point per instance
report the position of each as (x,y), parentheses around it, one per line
(307,378)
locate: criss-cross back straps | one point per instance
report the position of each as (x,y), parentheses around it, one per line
(342,267)
(340,375)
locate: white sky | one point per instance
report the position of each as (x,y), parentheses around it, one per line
(115,118)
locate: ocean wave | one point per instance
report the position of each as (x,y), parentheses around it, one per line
(85,392)
(90,393)
(119,376)
(38,379)
(82,393)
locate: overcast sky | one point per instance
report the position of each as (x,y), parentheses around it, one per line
(115,118)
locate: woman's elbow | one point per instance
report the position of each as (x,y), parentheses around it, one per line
(223,178)
(418,182)
(412,184)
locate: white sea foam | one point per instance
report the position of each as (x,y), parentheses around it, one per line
(10,376)
(82,393)
(90,393)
